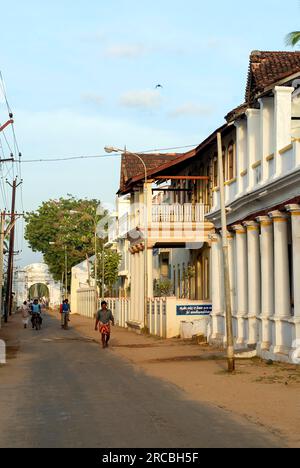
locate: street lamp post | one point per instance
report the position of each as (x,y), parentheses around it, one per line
(111,150)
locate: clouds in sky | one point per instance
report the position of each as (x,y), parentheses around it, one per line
(147,99)
(125,51)
(189,109)
(93,98)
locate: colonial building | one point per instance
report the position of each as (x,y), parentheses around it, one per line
(263,205)
(178,211)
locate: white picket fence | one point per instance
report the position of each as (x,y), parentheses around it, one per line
(120,310)
(162,319)
(157,317)
(86,302)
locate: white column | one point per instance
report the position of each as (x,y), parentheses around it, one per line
(217,288)
(136,287)
(267,133)
(282,123)
(295,214)
(282,280)
(132,292)
(253,143)
(267,280)
(254,281)
(150,272)
(241,281)
(241,153)
(141,270)
(232,263)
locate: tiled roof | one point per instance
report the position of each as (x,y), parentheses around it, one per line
(159,164)
(132,168)
(266,69)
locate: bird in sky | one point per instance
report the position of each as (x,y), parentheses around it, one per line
(158,86)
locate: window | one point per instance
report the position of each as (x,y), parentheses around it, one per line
(164,267)
(231,161)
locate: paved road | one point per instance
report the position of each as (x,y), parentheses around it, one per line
(69,393)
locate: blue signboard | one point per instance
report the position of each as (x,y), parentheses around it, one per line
(200,310)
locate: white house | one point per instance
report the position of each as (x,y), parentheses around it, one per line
(263,204)
(178,210)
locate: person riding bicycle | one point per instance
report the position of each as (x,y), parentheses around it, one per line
(65,313)
(36,312)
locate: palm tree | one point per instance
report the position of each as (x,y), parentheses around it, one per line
(293,38)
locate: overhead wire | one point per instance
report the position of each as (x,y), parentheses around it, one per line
(99,156)
(16,156)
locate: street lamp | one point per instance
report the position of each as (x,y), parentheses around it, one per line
(110,150)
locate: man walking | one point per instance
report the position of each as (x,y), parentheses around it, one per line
(25,309)
(104,318)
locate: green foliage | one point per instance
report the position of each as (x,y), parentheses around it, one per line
(112,260)
(163,288)
(293,38)
(54,229)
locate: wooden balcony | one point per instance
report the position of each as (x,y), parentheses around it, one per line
(172,225)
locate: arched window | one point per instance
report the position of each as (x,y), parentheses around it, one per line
(231,161)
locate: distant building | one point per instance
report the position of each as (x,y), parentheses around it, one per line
(28,280)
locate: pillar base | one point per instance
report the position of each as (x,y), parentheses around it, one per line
(263,346)
(282,350)
(276,357)
(217,339)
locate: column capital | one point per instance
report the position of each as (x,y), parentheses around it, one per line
(278,216)
(283,90)
(293,209)
(252,112)
(264,221)
(239,229)
(251,225)
(214,237)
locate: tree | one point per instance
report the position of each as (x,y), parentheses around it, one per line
(112,260)
(64,225)
(293,38)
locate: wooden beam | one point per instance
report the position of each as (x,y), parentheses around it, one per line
(182,178)
(171,190)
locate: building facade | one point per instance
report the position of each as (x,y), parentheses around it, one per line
(177,211)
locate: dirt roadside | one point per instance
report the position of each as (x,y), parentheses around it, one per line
(267,395)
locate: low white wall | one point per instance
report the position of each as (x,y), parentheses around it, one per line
(163,318)
(173,320)
(86,302)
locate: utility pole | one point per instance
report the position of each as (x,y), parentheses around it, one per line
(2,234)
(8,307)
(226,276)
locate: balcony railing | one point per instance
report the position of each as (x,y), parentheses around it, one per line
(187,213)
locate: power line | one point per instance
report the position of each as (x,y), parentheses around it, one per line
(99,156)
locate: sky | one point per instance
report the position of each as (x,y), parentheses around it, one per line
(82,75)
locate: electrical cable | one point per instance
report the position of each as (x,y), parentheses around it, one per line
(100,156)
